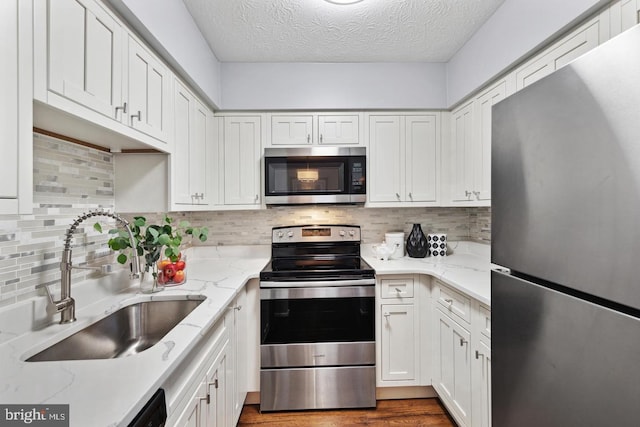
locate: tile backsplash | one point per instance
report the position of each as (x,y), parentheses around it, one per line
(70,179)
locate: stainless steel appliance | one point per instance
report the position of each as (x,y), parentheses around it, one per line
(566,226)
(315,175)
(317,300)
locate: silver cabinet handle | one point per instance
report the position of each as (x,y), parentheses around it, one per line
(398,290)
(123,108)
(386,315)
(448,301)
(467,193)
(139,116)
(308,138)
(411,196)
(257,198)
(462,342)
(477,194)
(479,355)
(237,307)
(398,196)
(320,138)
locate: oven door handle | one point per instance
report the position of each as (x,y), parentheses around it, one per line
(316,283)
(317,292)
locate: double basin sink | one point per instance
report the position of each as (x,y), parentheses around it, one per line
(127,331)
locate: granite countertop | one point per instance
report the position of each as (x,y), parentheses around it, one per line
(111,392)
(467,268)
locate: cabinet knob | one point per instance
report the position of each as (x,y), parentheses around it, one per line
(462,342)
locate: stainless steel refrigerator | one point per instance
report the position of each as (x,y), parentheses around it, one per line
(566,229)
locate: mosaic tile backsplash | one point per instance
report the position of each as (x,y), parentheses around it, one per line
(70,179)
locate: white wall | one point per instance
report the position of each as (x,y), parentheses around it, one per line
(333,85)
(169,28)
(514,30)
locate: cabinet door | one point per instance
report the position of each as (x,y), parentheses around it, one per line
(482,142)
(147,91)
(291,130)
(566,50)
(623,15)
(198,155)
(399,342)
(239,350)
(180,158)
(386,159)
(9,117)
(453,367)
(338,130)
(191,416)
(85,55)
(462,174)
(482,385)
(241,160)
(422,158)
(213,410)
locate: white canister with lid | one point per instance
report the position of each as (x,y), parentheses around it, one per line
(395,238)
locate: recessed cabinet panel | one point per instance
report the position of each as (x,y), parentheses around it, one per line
(422,158)
(399,342)
(338,130)
(241,160)
(385,142)
(85,54)
(291,130)
(462,153)
(180,158)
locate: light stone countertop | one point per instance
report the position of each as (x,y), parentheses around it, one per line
(111,392)
(467,268)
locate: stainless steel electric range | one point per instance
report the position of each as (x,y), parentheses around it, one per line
(317,298)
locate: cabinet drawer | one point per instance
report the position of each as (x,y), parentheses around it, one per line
(397,288)
(454,302)
(485,321)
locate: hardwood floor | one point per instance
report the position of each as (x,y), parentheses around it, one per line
(401,413)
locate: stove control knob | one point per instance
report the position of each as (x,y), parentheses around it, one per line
(290,234)
(352,233)
(280,234)
(342,233)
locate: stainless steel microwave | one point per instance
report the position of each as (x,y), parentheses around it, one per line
(313,175)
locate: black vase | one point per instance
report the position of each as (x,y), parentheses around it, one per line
(417,243)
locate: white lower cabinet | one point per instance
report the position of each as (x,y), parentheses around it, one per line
(481,381)
(452,379)
(209,388)
(398,330)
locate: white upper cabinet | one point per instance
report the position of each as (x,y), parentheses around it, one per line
(148,91)
(577,43)
(85,55)
(338,129)
(16,135)
(95,78)
(193,155)
(461,152)
(404,159)
(621,16)
(241,145)
(315,128)
(291,130)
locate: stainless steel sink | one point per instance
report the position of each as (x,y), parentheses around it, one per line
(130,330)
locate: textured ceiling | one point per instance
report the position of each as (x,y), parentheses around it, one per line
(318,31)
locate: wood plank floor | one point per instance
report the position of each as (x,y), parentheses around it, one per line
(401,413)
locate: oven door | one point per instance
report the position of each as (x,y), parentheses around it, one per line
(319,326)
(301,177)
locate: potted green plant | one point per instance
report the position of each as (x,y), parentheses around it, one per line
(152,241)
